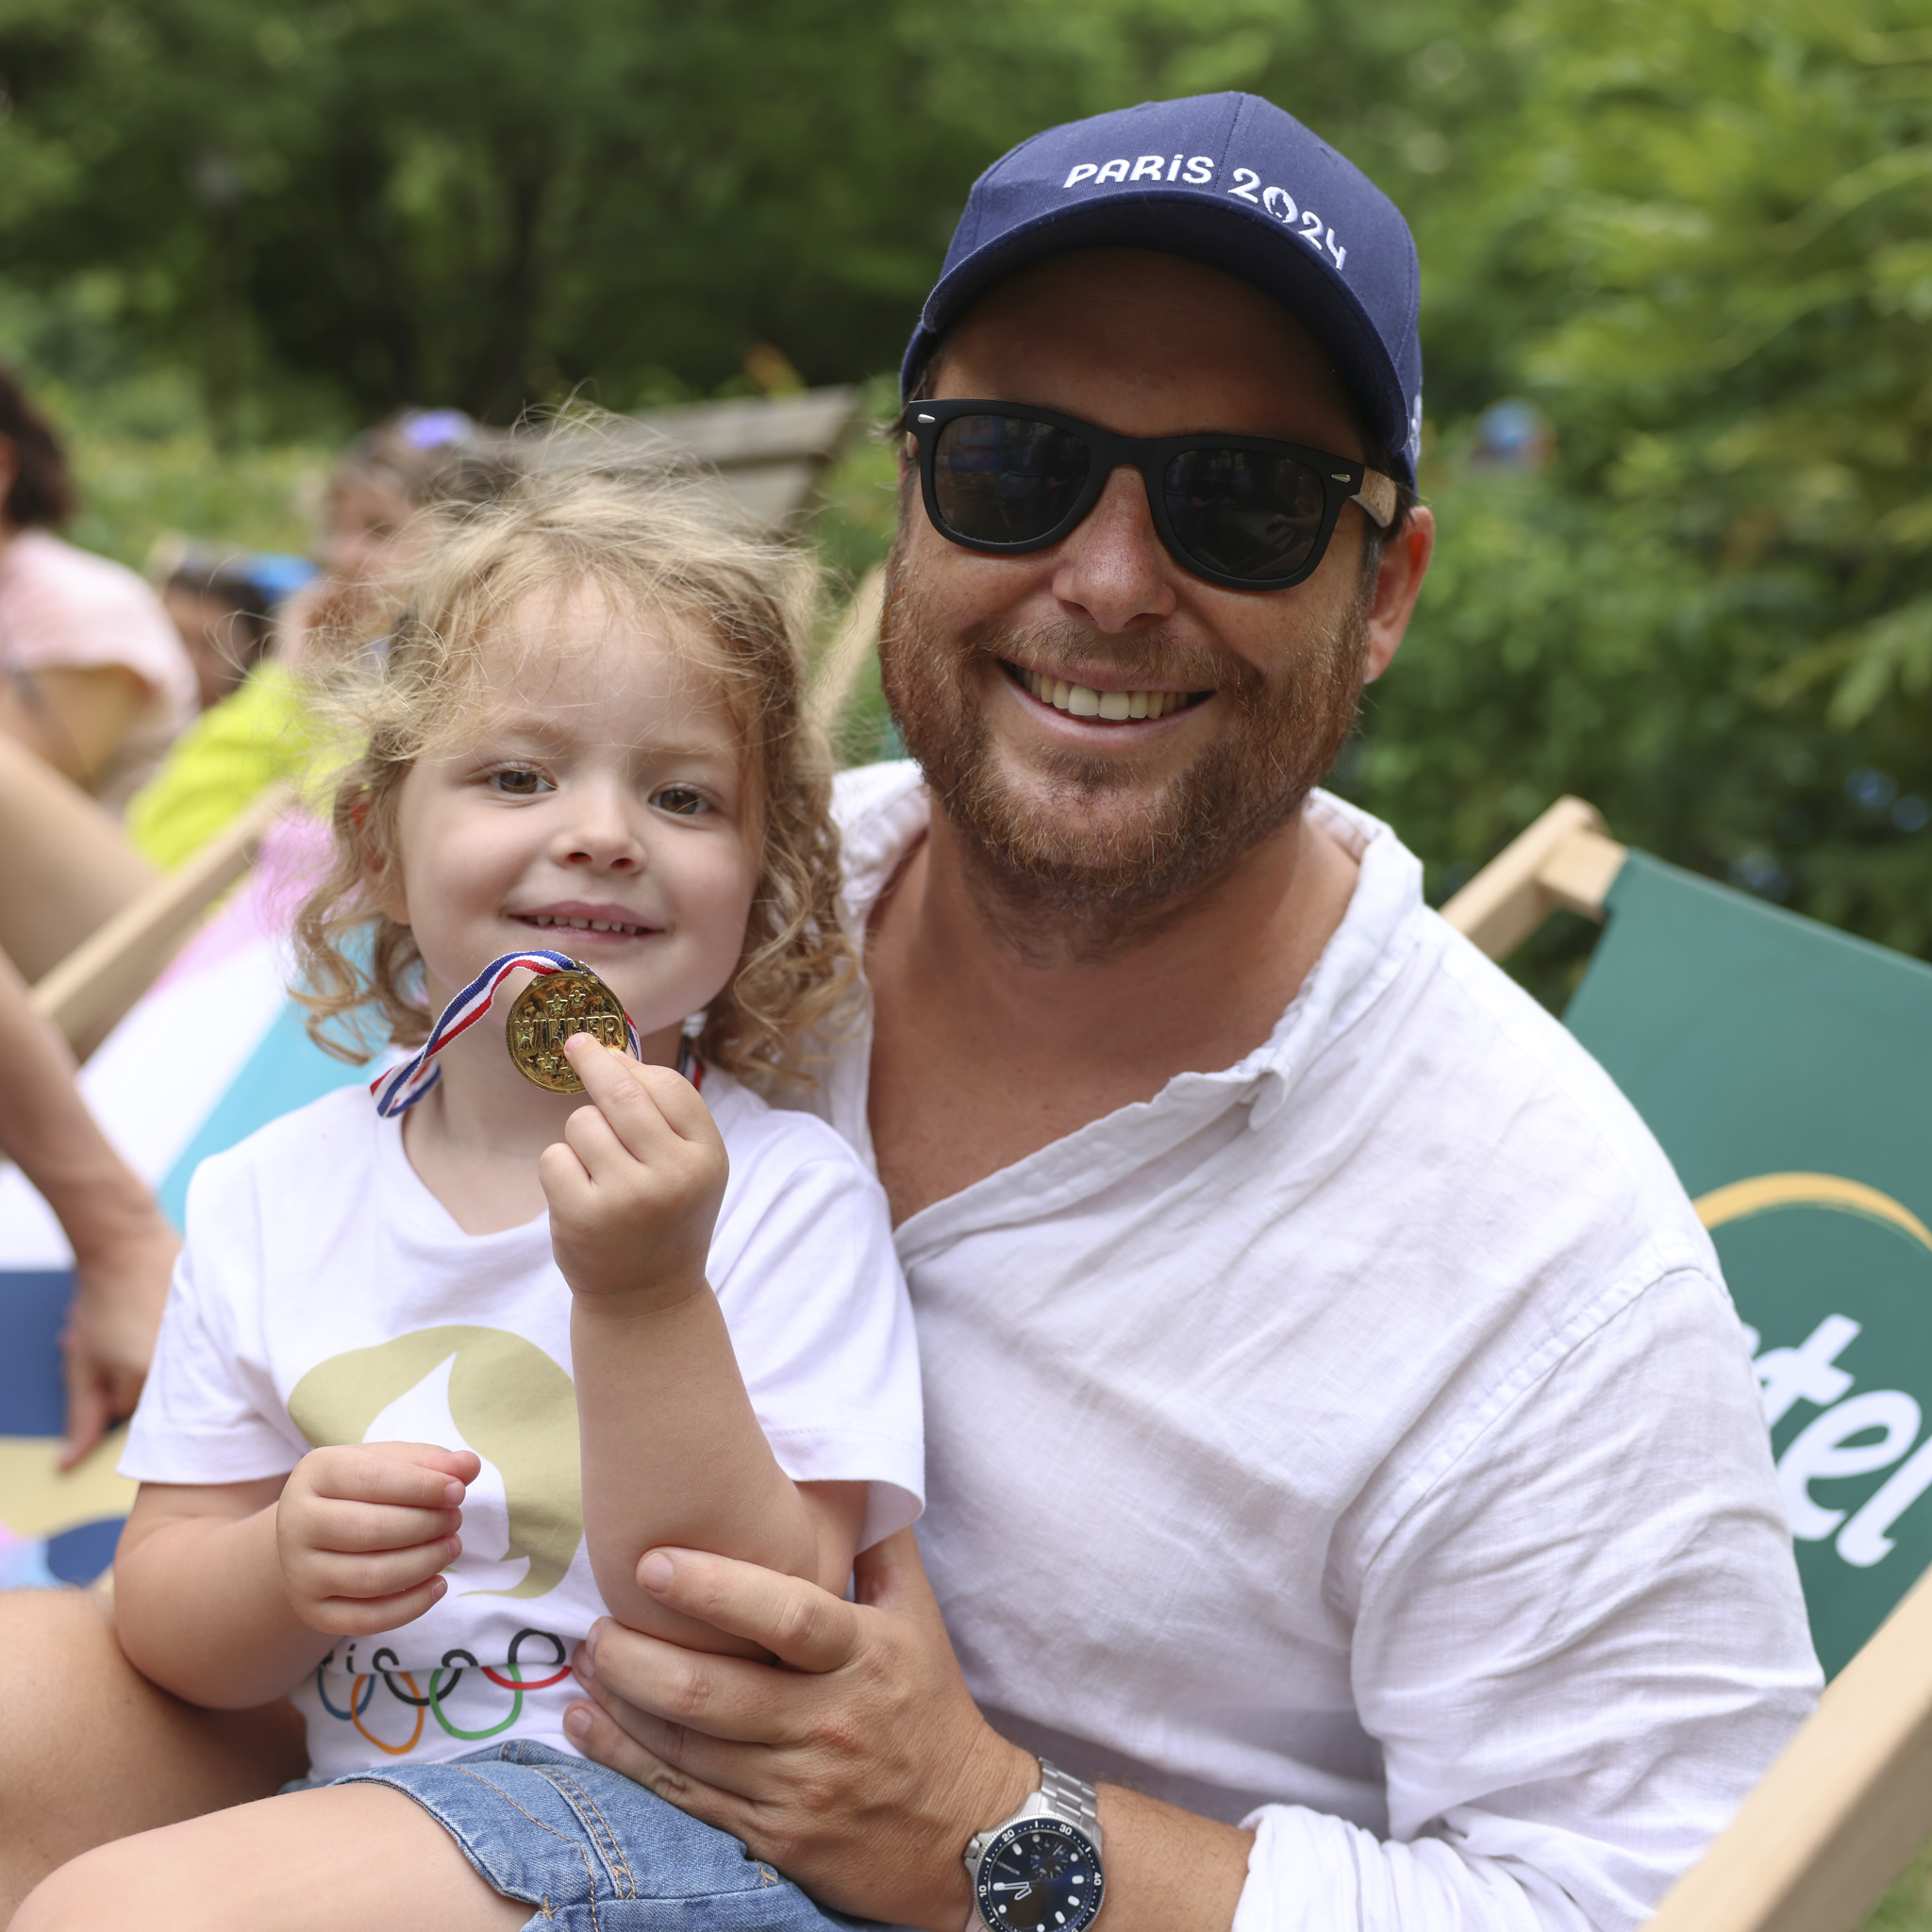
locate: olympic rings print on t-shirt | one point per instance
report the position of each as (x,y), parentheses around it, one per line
(402,1686)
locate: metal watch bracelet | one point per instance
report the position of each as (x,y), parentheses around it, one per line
(1068,1797)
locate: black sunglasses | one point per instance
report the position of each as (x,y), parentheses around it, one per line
(1237,510)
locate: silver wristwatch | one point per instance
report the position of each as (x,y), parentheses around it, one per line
(1038,1870)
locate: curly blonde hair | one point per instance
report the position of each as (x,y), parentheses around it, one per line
(653,544)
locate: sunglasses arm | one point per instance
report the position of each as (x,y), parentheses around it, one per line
(1377,497)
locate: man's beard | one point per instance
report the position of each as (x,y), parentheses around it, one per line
(1079,862)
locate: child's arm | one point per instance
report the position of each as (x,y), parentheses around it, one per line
(228,1593)
(673,1454)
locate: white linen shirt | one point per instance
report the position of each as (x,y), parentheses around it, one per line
(1358,1442)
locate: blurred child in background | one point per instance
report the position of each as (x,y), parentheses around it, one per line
(224,608)
(259,735)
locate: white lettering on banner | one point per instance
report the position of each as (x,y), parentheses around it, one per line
(1806,1373)
(1824,1449)
(1148,165)
(1281,205)
(1081,172)
(1863,1541)
(1113,171)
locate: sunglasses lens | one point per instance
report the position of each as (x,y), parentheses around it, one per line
(1245,513)
(1006,480)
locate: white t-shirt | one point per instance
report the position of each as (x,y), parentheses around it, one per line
(325,1296)
(1358,1440)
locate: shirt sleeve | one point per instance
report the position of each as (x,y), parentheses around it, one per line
(209,1412)
(813,1294)
(1579,1651)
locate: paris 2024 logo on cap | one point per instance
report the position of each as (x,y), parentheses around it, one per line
(1229,180)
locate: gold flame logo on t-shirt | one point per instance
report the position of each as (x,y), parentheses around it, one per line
(514,1405)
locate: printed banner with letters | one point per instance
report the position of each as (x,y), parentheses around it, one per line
(1787,1069)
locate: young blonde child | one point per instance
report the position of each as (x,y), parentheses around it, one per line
(430,1385)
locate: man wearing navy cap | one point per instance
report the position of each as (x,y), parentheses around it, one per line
(1348,1504)
(1341,1451)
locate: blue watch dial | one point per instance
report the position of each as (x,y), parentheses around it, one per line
(1040,1876)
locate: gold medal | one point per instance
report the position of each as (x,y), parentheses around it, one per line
(548,1012)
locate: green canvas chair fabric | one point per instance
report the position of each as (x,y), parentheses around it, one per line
(1787,1069)
(1783,1066)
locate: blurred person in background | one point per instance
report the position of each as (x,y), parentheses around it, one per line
(259,735)
(97,683)
(124,1250)
(66,866)
(224,608)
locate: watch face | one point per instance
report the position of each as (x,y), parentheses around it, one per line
(1040,1876)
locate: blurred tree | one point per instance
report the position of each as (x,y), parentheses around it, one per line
(413,199)
(1695,234)
(1707,245)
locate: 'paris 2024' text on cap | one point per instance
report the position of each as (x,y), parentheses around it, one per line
(1225,179)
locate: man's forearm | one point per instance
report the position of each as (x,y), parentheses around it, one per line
(1168,1870)
(858,1763)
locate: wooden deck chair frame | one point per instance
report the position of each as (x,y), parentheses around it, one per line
(1835,1819)
(91,990)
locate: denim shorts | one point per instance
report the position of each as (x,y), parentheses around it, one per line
(589,1850)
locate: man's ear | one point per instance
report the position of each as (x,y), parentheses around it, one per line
(1399,574)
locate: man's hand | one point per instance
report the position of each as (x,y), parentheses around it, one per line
(364,1532)
(635,1185)
(858,1764)
(120,1288)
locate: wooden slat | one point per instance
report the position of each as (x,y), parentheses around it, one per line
(1834,1820)
(95,985)
(760,429)
(1565,859)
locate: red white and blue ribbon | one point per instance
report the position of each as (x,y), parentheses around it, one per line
(401,1087)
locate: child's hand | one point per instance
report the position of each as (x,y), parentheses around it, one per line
(363,1531)
(634,1186)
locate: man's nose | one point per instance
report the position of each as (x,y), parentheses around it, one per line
(1113,569)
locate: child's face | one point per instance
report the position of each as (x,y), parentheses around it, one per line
(364,522)
(597,810)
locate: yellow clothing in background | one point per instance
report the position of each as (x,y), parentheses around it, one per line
(224,760)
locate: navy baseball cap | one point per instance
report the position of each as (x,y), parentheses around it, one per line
(1225,179)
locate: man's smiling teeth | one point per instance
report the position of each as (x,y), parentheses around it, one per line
(569,925)
(1082,701)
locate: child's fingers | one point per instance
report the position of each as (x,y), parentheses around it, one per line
(413,1474)
(622,1095)
(355,1528)
(353,1617)
(626,1091)
(324,1574)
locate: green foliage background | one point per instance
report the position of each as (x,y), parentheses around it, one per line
(1696,235)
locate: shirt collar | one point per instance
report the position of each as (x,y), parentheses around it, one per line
(884,808)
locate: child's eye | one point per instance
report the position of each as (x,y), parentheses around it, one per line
(681,800)
(520,781)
